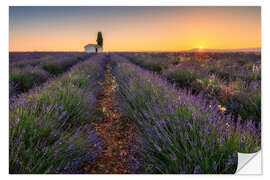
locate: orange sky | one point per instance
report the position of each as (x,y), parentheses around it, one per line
(134,28)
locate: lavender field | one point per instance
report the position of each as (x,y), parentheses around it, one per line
(31,69)
(133,113)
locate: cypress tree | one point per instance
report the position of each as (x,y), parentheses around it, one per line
(100,39)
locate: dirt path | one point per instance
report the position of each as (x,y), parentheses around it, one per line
(116,132)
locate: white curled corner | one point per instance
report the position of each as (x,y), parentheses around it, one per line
(249,163)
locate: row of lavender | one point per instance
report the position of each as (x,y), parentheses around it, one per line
(35,68)
(232,79)
(50,127)
(17,57)
(225,65)
(179,132)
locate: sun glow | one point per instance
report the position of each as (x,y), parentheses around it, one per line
(190,28)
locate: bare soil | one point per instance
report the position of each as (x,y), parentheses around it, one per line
(116,131)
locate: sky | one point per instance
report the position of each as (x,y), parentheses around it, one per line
(134,28)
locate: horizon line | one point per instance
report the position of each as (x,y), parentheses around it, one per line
(235,49)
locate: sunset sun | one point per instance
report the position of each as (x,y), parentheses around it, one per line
(201,47)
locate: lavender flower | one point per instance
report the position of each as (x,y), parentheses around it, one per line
(157,147)
(215,165)
(196,169)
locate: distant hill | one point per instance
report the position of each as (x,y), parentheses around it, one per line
(225,50)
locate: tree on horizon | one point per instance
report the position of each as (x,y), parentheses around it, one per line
(100,39)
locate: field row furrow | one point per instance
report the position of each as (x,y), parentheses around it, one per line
(115,129)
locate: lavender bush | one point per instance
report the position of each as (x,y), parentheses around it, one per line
(30,69)
(180,132)
(50,127)
(227,78)
(25,78)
